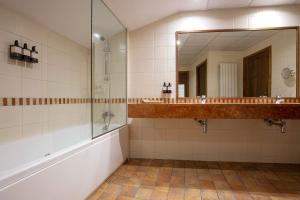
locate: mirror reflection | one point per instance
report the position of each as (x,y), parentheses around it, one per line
(237,63)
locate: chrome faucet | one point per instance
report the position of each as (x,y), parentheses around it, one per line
(106,116)
(203,123)
(279,99)
(281,123)
(203,99)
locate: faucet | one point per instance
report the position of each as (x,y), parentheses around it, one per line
(203,99)
(106,116)
(279,99)
(281,123)
(203,123)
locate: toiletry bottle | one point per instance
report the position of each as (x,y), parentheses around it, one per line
(26,53)
(34,55)
(16,51)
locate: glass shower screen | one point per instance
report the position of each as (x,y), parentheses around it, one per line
(109,47)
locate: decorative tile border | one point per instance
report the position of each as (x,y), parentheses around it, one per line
(189,100)
(12,101)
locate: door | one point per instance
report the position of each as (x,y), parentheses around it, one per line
(184,82)
(201,79)
(257,74)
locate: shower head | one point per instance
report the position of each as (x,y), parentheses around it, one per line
(98,37)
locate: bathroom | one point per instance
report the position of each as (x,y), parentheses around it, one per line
(125,99)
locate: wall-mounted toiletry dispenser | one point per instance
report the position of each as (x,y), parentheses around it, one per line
(166,89)
(16,51)
(34,55)
(23,54)
(26,53)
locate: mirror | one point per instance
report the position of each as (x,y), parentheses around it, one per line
(237,63)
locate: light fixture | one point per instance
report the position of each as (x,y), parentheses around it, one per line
(178,42)
(287,73)
(96,35)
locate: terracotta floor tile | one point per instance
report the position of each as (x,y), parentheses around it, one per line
(143,179)
(176,194)
(113,189)
(226,195)
(177,181)
(125,198)
(207,185)
(209,194)
(129,191)
(108,196)
(192,194)
(178,172)
(242,195)
(143,193)
(159,195)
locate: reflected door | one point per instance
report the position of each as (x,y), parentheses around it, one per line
(201,79)
(184,82)
(257,74)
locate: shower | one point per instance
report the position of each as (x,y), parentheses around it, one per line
(109,41)
(107,53)
(107,114)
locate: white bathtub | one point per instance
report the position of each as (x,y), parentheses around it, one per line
(25,156)
(24,162)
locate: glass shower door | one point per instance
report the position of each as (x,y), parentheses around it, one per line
(109,47)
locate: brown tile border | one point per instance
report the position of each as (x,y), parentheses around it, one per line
(269,100)
(26,101)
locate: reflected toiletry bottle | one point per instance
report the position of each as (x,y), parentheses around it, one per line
(26,53)
(16,51)
(34,55)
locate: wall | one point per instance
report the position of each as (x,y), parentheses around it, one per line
(283,55)
(152,61)
(214,58)
(94,163)
(63,72)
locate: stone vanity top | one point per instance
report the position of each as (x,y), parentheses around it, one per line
(220,109)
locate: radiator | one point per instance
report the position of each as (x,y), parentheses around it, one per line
(228,80)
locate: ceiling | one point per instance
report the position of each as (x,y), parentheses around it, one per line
(72,17)
(137,13)
(194,44)
(67,17)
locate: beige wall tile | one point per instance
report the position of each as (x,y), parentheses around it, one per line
(226,140)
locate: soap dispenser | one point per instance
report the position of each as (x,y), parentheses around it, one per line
(26,53)
(34,55)
(16,51)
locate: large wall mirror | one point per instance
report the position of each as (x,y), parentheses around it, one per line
(238,63)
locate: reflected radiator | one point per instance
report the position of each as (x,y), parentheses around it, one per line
(228,80)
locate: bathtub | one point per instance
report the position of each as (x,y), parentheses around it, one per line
(25,160)
(21,157)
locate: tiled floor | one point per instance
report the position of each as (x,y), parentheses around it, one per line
(197,180)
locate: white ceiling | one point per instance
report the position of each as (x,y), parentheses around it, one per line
(67,17)
(194,44)
(137,13)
